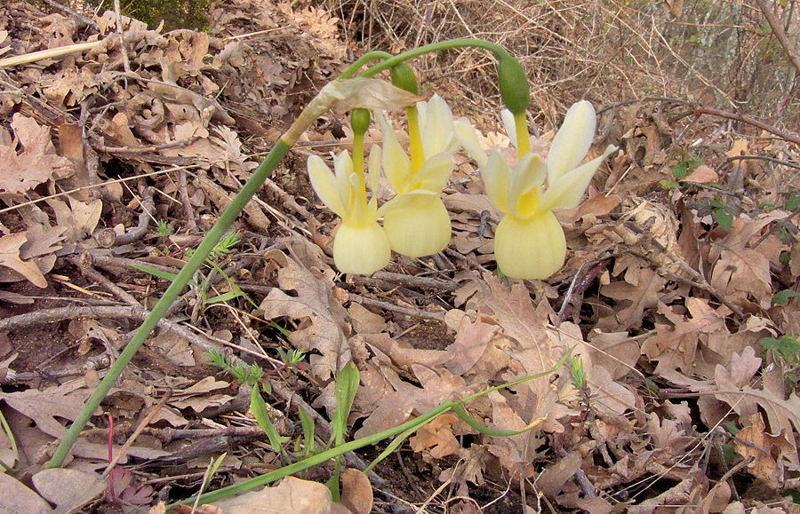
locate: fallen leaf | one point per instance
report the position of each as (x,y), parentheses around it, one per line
(633,298)
(64,401)
(36,161)
(702,175)
(10,258)
(69,489)
(436,438)
(15,497)
(322,317)
(764,448)
(291,496)
(357,493)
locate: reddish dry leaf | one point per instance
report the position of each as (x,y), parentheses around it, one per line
(36,161)
(436,438)
(764,448)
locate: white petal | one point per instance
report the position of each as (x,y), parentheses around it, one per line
(530,249)
(468,137)
(324,184)
(510,126)
(436,126)
(343,165)
(496,175)
(434,173)
(572,141)
(417,225)
(362,249)
(528,175)
(374,174)
(396,164)
(568,190)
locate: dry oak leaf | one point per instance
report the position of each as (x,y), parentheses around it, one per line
(291,496)
(322,316)
(36,161)
(43,407)
(765,450)
(437,437)
(357,495)
(634,299)
(783,414)
(10,258)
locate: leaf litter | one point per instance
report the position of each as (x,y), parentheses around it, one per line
(666,300)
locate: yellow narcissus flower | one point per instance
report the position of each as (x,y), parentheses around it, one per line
(360,245)
(529,241)
(416,220)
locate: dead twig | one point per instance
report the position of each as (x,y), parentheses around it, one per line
(777,29)
(81,18)
(188,211)
(414,313)
(140,427)
(81,263)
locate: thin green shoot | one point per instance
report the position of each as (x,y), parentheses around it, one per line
(260,411)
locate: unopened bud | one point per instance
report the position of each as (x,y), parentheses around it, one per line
(359,120)
(404,78)
(514,88)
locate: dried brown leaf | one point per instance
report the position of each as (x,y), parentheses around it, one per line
(16,497)
(764,448)
(36,161)
(60,486)
(43,407)
(357,494)
(291,496)
(10,258)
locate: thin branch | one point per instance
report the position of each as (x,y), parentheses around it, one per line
(791,51)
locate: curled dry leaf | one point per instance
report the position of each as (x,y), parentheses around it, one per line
(754,441)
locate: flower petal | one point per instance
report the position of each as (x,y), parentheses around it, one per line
(396,164)
(434,173)
(436,126)
(568,190)
(496,175)
(374,167)
(510,126)
(572,141)
(343,165)
(324,184)
(468,138)
(361,248)
(530,249)
(528,175)
(417,225)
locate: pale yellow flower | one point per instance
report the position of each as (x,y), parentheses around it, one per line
(360,245)
(529,241)
(416,220)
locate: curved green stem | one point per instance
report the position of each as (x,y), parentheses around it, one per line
(403,430)
(435,47)
(361,61)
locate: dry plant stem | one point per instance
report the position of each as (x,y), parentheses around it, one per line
(318,106)
(51,53)
(782,162)
(148,208)
(92,274)
(777,29)
(188,211)
(122,312)
(418,282)
(415,313)
(145,149)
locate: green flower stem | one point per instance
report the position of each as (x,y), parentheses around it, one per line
(436,47)
(404,429)
(222,225)
(361,61)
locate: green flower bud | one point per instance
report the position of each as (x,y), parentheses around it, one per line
(404,78)
(359,120)
(514,88)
